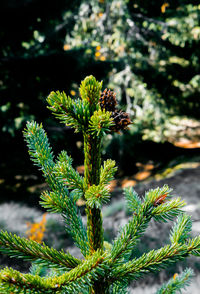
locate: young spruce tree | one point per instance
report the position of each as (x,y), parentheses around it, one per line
(104,268)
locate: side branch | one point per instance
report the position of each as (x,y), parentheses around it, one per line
(59,200)
(156,259)
(31,250)
(81,276)
(155,205)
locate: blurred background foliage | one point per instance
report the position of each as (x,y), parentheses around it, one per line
(146,51)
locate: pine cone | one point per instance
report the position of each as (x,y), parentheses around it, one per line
(121,120)
(108,100)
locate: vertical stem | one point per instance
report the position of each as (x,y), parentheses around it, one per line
(92,163)
(92,150)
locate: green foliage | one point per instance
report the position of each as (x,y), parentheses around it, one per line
(177,283)
(97,195)
(100,123)
(104,267)
(90,90)
(58,199)
(69,176)
(72,113)
(181,229)
(31,250)
(142,214)
(107,172)
(133,201)
(74,281)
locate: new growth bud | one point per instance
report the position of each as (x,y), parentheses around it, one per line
(90,90)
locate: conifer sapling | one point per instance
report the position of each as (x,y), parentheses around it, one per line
(105,267)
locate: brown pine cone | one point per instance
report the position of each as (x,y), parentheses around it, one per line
(108,100)
(121,121)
